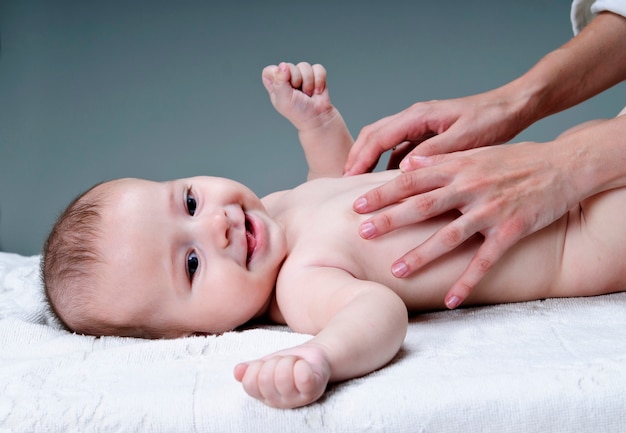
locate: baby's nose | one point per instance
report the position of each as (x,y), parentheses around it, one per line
(219,226)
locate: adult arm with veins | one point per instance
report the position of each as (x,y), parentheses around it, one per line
(588,64)
(504,192)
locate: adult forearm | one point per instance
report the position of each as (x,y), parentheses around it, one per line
(588,64)
(595,156)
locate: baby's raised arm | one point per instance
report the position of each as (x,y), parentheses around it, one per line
(358,325)
(299,92)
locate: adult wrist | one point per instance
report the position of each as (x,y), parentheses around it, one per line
(594,156)
(522,101)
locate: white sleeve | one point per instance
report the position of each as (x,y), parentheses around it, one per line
(583,11)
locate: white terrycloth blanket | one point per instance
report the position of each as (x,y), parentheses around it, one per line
(545,366)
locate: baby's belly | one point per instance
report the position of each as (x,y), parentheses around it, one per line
(424,289)
(334,227)
(524,273)
(527,271)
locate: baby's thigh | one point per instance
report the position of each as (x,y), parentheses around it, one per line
(595,245)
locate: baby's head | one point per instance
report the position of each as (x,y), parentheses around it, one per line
(162,259)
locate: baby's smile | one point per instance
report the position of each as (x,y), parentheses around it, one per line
(250,238)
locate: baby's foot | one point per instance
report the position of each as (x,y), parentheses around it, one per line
(299,93)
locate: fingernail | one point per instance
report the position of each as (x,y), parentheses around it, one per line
(399,269)
(452,302)
(360,204)
(407,163)
(367,230)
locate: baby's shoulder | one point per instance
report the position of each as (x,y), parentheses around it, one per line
(271,199)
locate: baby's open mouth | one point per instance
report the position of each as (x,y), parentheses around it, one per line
(250,239)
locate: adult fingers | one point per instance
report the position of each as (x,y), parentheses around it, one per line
(398,153)
(415,124)
(439,243)
(439,144)
(373,141)
(405,185)
(413,210)
(487,255)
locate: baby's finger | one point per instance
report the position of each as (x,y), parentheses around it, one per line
(308,80)
(284,378)
(309,384)
(296,76)
(240,371)
(249,381)
(319,72)
(267,76)
(279,85)
(266,382)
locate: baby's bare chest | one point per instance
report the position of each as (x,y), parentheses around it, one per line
(323,230)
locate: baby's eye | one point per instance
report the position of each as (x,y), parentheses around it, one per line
(191,202)
(192,265)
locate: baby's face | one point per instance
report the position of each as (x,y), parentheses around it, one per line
(191,255)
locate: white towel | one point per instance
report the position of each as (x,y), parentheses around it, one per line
(554,366)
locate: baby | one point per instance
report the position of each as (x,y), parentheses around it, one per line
(204,255)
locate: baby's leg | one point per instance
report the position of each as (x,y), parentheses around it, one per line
(583,251)
(595,246)
(581,254)
(595,242)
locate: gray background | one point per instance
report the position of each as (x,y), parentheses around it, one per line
(91,91)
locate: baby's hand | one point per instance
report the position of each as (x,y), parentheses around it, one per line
(299,93)
(291,378)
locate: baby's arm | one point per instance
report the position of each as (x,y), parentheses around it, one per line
(359,326)
(299,93)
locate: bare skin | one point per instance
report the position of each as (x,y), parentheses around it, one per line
(503,193)
(203,255)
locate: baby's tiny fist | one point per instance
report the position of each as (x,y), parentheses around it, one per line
(240,371)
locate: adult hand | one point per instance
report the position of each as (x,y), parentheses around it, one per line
(438,127)
(504,192)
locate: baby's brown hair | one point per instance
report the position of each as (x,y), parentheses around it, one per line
(71,271)
(70,259)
